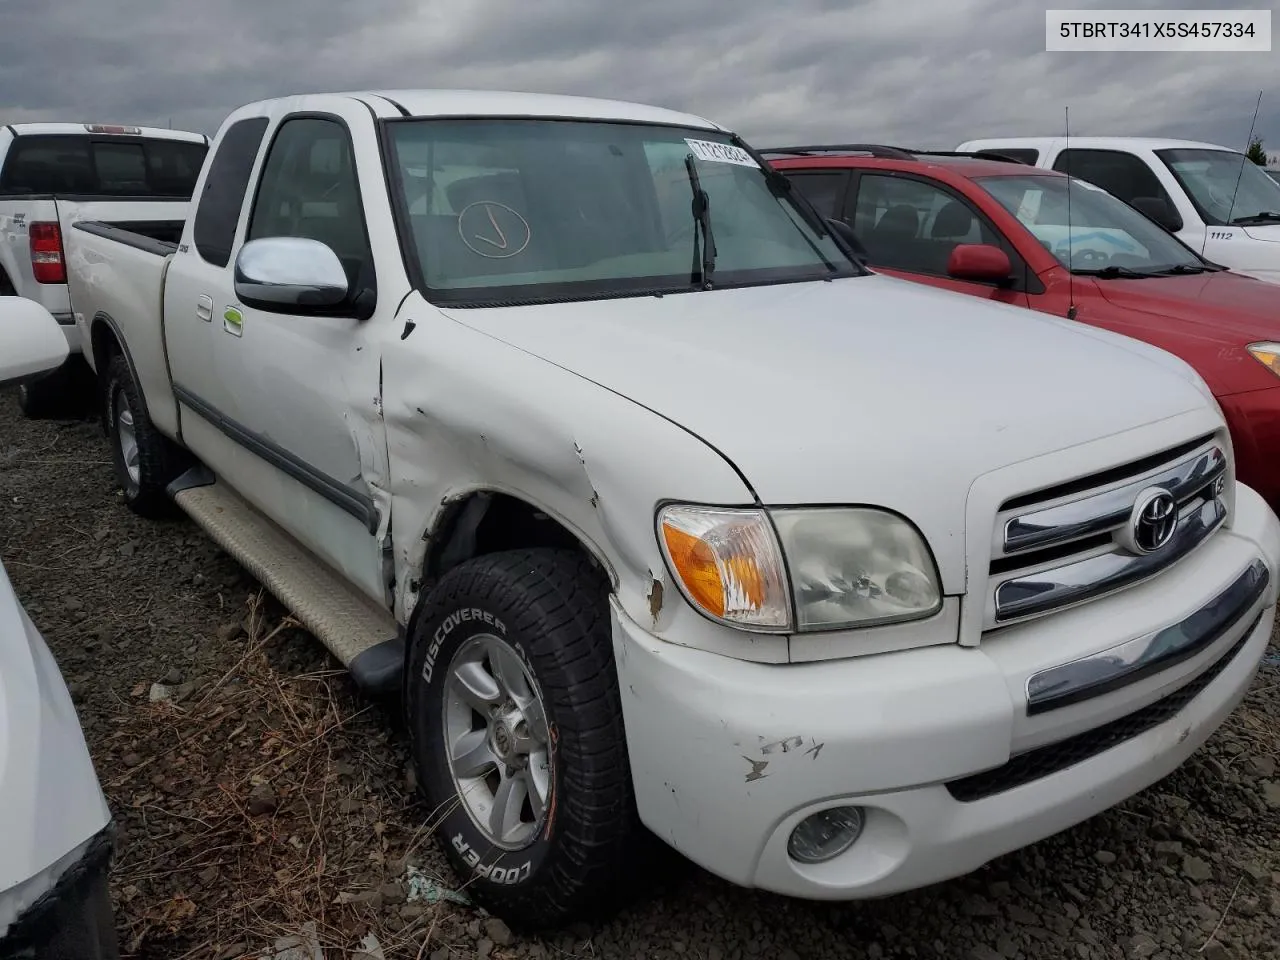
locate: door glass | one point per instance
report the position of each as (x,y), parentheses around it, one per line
(309,189)
(1121,174)
(912,225)
(824,190)
(1225,186)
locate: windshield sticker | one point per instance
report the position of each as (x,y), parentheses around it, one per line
(501,230)
(720,153)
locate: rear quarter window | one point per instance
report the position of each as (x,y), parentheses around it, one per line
(218,212)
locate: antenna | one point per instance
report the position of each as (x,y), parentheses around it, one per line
(1244,158)
(1071,276)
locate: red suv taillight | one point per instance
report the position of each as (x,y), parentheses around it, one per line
(46,252)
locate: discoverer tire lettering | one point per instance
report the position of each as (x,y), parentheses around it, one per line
(550,606)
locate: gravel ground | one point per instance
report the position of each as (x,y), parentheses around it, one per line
(257,790)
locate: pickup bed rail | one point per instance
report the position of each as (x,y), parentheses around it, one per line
(148,235)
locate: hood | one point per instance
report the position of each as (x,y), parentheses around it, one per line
(861,390)
(1205,318)
(1263,231)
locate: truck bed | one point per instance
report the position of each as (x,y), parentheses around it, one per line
(115,272)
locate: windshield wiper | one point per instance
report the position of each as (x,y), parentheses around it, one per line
(1181,268)
(705,266)
(1263,216)
(1114,273)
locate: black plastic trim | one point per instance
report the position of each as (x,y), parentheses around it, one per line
(72,920)
(379,669)
(197,476)
(1163,649)
(399,106)
(1053,758)
(161,248)
(339,494)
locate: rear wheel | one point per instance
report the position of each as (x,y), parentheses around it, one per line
(513,704)
(145,460)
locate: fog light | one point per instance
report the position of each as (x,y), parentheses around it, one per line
(825,835)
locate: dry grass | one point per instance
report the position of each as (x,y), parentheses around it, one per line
(254,806)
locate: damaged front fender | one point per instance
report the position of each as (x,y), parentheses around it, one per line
(466,413)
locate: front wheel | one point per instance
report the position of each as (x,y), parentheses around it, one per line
(513,706)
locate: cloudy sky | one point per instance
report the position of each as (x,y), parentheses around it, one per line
(911,72)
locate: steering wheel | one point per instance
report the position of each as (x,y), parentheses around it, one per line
(1090,259)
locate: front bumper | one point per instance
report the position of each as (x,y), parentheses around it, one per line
(72,920)
(935,744)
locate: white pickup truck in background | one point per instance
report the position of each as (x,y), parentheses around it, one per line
(569,419)
(52,174)
(1212,198)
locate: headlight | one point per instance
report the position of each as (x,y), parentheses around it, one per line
(849,567)
(728,564)
(1267,353)
(856,567)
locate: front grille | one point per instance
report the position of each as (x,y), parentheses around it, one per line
(1077,541)
(1043,761)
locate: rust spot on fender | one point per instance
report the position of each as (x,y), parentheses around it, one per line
(655,599)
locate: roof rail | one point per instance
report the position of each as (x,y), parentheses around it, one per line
(886,152)
(979,155)
(875,149)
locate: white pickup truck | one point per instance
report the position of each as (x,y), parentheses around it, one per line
(52,174)
(1214,199)
(567,417)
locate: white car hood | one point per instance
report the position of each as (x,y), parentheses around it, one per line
(50,799)
(866,390)
(1263,231)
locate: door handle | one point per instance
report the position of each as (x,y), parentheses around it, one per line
(204,309)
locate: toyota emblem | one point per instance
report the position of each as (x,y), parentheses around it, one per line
(1152,522)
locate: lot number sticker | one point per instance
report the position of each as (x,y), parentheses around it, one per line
(720,153)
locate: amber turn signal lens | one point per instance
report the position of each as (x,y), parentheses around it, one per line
(728,564)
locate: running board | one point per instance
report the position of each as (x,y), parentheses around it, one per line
(362,635)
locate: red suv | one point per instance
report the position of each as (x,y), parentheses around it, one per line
(993,227)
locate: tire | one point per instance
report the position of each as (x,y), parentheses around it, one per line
(65,394)
(544,614)
(46,398)
(145,460)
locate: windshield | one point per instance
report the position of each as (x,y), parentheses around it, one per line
(517,210)
(1104,232)
(1210,177)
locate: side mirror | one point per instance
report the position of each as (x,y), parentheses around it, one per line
(289,275)
(980,262)
(31,342)
(1159,210)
